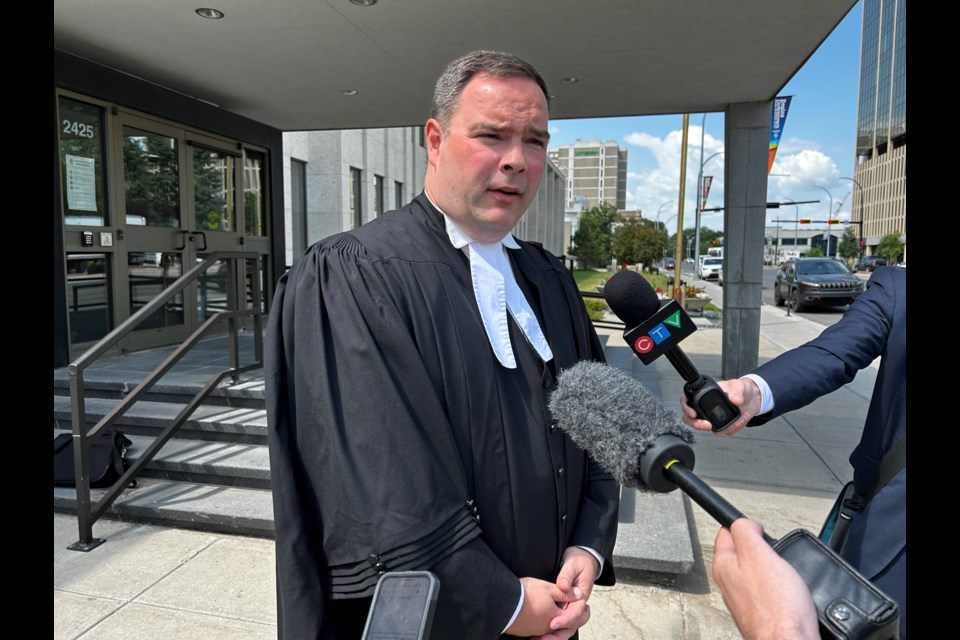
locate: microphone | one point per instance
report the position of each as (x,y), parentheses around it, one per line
(631,434)
(628,432)
(653,330)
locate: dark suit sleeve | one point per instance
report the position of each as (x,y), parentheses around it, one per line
(832,359)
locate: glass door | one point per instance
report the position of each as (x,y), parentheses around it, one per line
(216,223)
(154,237)
(144,201)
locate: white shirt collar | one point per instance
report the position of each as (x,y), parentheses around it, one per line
(497,293)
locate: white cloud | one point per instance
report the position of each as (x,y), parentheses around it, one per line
(655,189)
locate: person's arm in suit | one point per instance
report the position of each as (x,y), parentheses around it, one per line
(799,376)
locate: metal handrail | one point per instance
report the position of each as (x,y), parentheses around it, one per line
(82,438)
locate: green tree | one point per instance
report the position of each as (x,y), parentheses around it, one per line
(849,247)
(592,243)
(815,252)
(636,241)
(890,247)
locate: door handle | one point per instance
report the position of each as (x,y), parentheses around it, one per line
(202,235)
(183,240)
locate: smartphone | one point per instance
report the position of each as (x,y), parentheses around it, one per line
(402,607)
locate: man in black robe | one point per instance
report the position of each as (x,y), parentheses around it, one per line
(408,368)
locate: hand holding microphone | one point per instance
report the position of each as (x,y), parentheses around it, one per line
(654,330)
(631,434)
(628,432)
(742,392)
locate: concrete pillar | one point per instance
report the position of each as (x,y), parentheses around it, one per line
(747,138)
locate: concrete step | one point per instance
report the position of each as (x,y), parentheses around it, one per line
(244,425)
(186,505)
(246,465)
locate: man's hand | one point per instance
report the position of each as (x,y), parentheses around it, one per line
(743,393)
(767,597)
(542,602)
(580,569)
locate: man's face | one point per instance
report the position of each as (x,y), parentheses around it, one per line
(485,168)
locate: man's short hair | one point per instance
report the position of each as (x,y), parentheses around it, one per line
(459,72)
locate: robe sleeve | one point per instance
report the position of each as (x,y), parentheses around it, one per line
(365,472)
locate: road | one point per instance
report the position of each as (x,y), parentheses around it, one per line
(825,316)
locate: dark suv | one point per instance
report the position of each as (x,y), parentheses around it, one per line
(869,263)
(813,282)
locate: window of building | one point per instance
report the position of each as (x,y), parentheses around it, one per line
(82,163)
(298,204)
(356,203)
(398,200)
(422,136)
(253,193)
(378,195)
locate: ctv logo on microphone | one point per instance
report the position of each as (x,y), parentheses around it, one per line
(660,332)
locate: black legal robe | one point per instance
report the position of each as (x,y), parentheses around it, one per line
(398,441)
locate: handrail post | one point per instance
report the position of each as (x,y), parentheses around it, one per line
(78,417)
(234,301)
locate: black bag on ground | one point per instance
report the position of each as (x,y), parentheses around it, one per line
(106,459)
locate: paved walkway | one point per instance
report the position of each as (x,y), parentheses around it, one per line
(151,582)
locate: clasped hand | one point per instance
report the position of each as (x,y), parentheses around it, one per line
(554,611)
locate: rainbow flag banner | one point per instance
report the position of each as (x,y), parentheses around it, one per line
(778,116)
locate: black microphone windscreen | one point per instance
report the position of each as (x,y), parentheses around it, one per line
(612,417)
(630,297)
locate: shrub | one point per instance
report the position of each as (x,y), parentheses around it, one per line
(595,308)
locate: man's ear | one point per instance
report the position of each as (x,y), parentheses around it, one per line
(434,135)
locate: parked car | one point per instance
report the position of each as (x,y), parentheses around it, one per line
(710,267)
(815,282)
(870,263)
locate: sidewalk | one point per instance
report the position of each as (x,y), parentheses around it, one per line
(151,582)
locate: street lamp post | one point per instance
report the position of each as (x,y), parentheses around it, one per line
(829,216)
(703,125)
(662,205)
(861,212)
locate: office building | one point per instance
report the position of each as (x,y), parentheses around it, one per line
(595,171)
(880,198)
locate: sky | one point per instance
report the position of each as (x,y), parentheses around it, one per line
(817,146)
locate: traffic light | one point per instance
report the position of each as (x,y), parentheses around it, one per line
(806,220)
(832,221)
(863,244)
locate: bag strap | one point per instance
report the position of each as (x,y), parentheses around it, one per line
(893,461)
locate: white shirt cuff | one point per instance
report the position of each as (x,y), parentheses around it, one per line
(766,396)
(597,556)
(517,611)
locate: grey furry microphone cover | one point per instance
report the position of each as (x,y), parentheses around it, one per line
(613,417)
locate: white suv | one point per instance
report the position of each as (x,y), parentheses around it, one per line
(711,268)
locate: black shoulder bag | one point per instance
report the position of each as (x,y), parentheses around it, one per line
(849,502)
(106,459)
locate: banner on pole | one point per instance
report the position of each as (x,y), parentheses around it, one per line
(706,191)
(778,116)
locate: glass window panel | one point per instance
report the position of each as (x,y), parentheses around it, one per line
(298,205)
(378,189)
(151,273)
(81,163)
(213,201)
(151,173)
(397,195)
(356,208)
(253,194)
(89,296)
(212,289)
